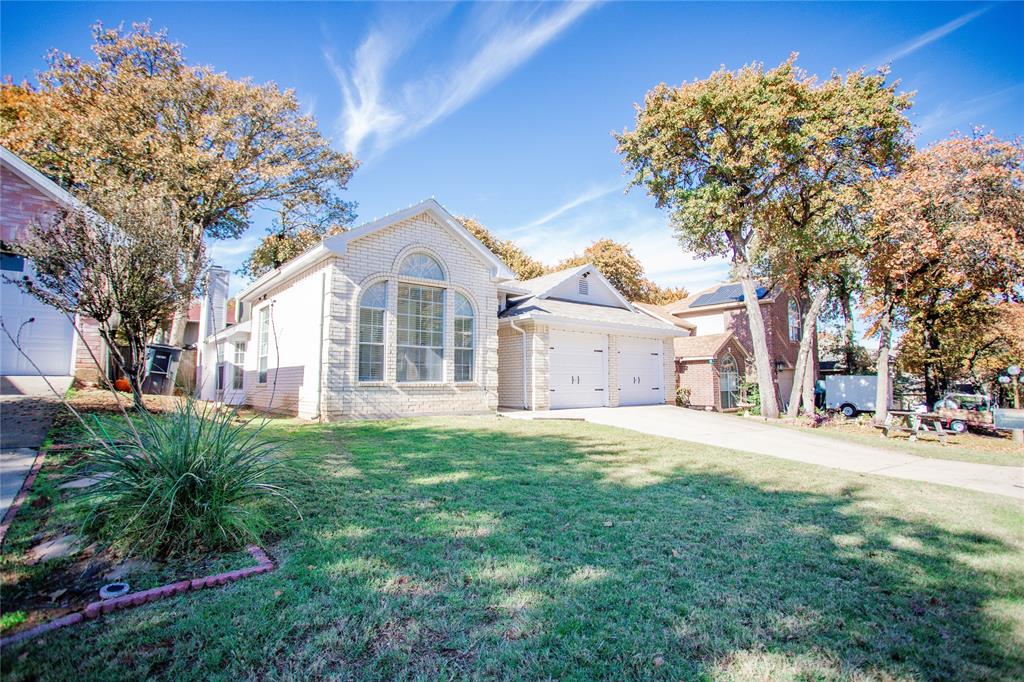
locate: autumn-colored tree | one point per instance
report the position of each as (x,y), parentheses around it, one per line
(116,257)
(623,269)
(282,243)
(946,246)
(138,115)
(508,251)
(757,157)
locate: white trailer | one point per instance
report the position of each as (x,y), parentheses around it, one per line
(851,393)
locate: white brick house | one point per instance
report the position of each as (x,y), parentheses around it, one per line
(396,317)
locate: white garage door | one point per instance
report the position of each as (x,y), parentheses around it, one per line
(641,371)
(47,340)
(578,369)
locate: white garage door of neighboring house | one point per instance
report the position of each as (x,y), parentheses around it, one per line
(641,371)
(578,369)
(48,340)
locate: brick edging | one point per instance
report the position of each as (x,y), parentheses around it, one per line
(98,608)
(19,499)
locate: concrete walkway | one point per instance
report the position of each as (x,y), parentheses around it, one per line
(27,409)
(727,431)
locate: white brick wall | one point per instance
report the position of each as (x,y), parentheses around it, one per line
(376,257)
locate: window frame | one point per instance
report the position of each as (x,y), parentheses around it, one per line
(238,377)
(793,313)
(382,344)
(420,331)
(456,295)
(722,371)
(263,347)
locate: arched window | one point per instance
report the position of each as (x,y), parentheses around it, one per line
(794,321)
(463,338)
(729,382)
(371,332)
(422,266)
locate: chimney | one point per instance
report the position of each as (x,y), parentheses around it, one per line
(213,314)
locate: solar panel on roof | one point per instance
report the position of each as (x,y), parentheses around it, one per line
(727,293)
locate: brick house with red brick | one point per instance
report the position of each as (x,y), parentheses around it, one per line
(718,318)
(28,197)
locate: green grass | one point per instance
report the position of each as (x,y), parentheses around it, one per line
(493,548)
(969,447)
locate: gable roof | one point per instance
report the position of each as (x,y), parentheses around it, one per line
(702,347)
(587,314)
(37,180)
(339,243)
(542,286)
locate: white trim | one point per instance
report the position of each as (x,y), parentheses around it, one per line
(590,269)
(339,243)
(302,262)
(595,325)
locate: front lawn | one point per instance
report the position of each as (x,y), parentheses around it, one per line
(496,548)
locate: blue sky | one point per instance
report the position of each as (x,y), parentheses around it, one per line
(504,112)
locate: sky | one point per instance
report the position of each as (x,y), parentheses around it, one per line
(505,112)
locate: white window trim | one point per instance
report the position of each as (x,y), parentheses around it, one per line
(473,340)
(445,347)
(383,381)
(263,337)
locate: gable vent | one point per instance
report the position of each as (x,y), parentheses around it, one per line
(584,286)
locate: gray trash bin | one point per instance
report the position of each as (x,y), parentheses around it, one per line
(161,368)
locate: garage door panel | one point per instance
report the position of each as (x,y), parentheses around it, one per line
(578,369)
(47,339)
(641,371)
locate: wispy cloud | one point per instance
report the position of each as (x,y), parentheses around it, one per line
(929,37)
(380,113)
(949,115)
(584,198)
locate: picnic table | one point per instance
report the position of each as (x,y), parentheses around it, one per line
(914,423)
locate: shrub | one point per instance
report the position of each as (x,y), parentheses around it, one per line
(181,483)
(683,396)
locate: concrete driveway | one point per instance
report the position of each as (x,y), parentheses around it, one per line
(727,431)
(27,409)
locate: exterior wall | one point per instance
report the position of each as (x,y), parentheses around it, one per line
(708,324)
(24,206)
(703,379)
(668,355)
(510,368)
(510,381)
(294,346)
(376,257)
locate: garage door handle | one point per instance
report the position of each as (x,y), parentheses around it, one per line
(598,389)
(597,350)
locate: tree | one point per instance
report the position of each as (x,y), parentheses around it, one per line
(122,262)
(623,269)
(755,157)
(508,251)
(139,116)
(281,244)
(946,245)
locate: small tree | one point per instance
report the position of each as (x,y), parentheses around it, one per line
(747,158)
(121,262)
(624,270)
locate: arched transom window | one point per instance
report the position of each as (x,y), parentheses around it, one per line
(463,341)
(372,307)
(794,321)
(729,382)
(422,266)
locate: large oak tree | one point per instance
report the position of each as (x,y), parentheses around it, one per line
(138,115)
(748,158)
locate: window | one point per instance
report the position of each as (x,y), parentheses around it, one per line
(421,266)
(220,367)
(264,342)
(420,339)
(463,341)
(583,286)
(729,382)
(238,380)
(11,262)
(371,332)
(794,321)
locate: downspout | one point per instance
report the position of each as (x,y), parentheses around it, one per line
(512,323)
(320,353)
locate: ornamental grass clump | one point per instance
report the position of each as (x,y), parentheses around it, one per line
(182,483)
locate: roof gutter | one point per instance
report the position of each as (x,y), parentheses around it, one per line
(667,330)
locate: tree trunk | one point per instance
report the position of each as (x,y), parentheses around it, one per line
(765,380)
(809,378)
(804,358)
(931,378)
(848,335)
(882,368)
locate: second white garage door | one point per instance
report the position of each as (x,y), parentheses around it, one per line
(641,371)
(578,369)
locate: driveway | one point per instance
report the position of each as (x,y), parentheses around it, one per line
(727,431)
(27,409)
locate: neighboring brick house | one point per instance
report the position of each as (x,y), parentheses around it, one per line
(27,198)
(411,315)
(720,310)
(709,369)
